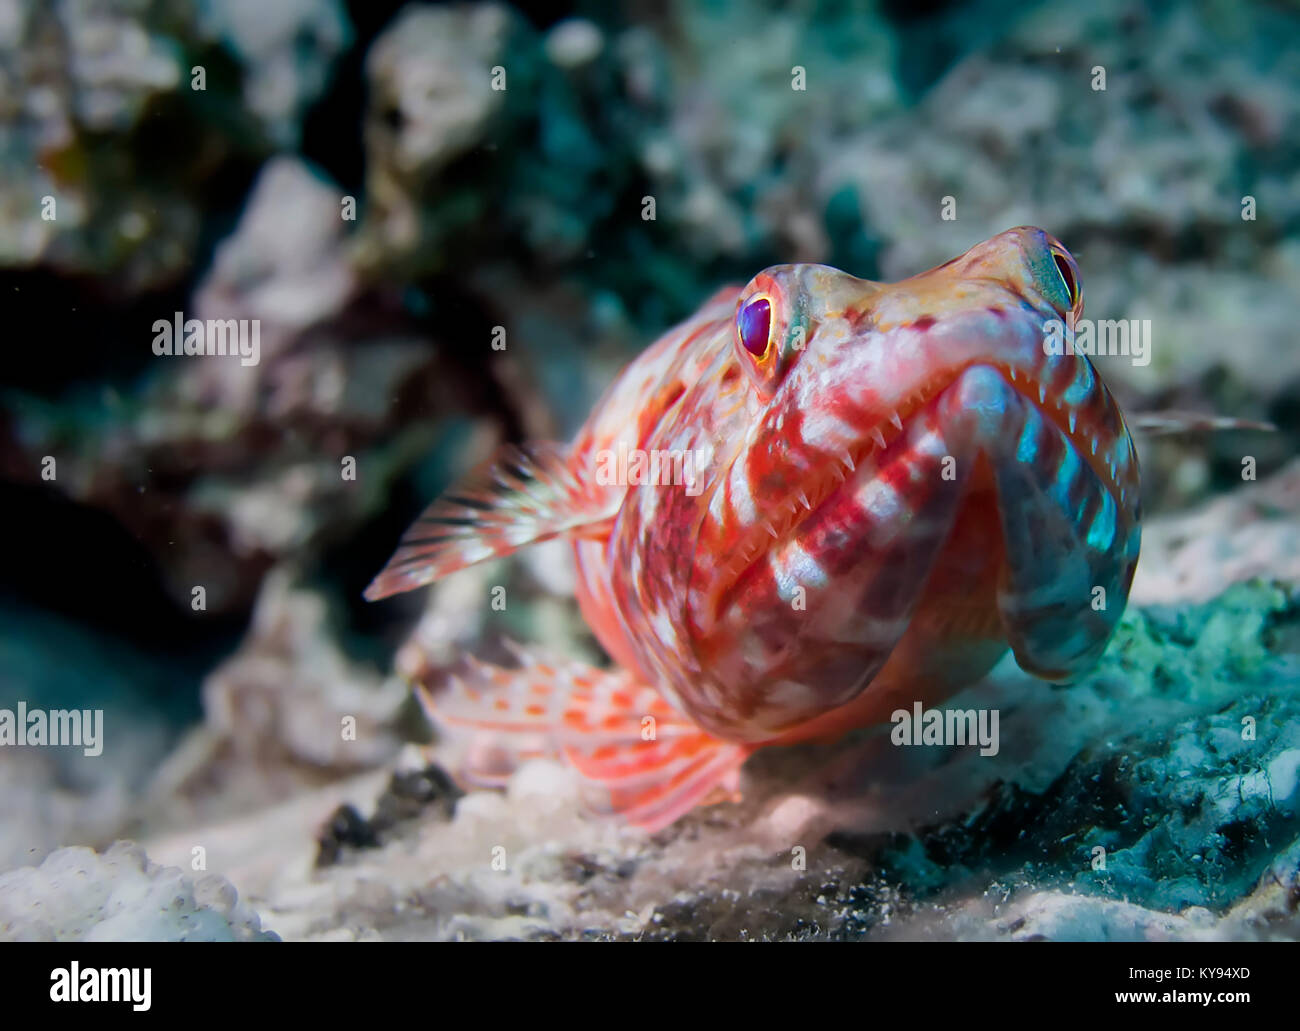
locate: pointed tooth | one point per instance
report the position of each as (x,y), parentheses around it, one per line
(1074,417)
(878,437)
(772,530)
(848,462)
(803,500)
(1012,371)
(897,421)
(1042,393)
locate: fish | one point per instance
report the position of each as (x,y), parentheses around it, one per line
(844,497)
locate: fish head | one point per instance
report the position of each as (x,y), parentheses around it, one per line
(808,334)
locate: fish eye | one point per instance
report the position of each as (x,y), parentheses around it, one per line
(1067,277)
(754,326)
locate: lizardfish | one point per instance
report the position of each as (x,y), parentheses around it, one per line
(850,497)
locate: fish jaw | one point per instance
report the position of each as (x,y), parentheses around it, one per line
(797,597)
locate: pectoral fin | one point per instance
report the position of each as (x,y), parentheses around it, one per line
(638,757)
(529,495)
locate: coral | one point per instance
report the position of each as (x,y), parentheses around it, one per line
(288,711)
(91,91)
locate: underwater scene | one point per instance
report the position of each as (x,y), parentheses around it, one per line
(738,470)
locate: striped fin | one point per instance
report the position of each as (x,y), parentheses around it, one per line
(514,712)
(598,721)
(649,782)
(529,495)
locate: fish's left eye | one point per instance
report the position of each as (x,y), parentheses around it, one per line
(1067,277)
(754,326)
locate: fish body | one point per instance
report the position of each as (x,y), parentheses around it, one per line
(872,492)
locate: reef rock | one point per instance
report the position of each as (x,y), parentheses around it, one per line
(77,894)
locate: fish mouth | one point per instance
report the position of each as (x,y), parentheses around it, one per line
(1079,428)
(831,472)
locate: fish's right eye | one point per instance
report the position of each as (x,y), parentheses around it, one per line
(754,326)
(761,329)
